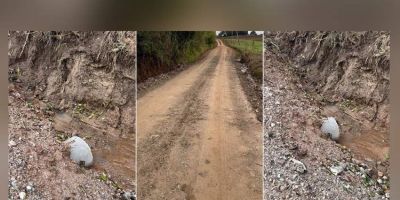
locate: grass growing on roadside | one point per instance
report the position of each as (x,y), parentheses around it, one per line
(246,46)
(251,54)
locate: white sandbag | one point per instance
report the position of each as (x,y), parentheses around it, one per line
(80,151)
(331,128)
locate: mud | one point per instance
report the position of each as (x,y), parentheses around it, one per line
(366,141)
(112,154)
(198,135)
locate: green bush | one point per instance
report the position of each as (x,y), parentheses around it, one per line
(160,52)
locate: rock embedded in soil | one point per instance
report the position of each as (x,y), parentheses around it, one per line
(22,195)
(300,167)
(336,170)
(129,196)
(11,143)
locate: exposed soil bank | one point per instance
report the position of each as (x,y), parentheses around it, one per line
(80,82)
(341,66)
(312,75)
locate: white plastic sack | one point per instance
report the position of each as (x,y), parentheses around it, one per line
(331,128)
(80,151)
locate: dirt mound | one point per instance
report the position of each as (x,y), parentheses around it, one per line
(340,66)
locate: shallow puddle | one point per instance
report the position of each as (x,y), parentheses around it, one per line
(112,153)
(369,144)
(359,136)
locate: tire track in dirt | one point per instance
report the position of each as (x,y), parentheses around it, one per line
(205,143)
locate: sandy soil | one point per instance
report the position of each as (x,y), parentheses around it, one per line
(198,137)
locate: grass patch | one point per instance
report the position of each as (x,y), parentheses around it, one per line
(246,46)
(250,53)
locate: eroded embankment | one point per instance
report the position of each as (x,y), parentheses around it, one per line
(312,75)
(83,82)
(347,71)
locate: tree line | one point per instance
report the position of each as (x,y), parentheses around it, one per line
(163,51)
(236,33)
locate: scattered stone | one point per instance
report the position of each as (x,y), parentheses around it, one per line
(12,143)
(380,174)
(300,167)
(13,182)
(22,195)
(129,196)
(29,188)
(336,170)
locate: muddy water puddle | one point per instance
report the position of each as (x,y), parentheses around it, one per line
(359,136)
(112,153)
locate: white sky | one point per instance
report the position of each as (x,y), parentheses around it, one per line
(258,32)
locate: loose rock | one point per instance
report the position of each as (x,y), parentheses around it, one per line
(11,143)
(336,170)
(22,195)
(300,167)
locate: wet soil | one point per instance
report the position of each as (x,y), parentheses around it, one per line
(112,154)
(366,141)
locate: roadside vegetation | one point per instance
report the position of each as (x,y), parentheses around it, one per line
(164,51)
(246,45)
(250,49)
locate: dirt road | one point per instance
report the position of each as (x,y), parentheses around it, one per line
(198,137)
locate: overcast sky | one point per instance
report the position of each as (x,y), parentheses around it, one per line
(258,32)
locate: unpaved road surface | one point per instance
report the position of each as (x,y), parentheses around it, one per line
(198,137)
